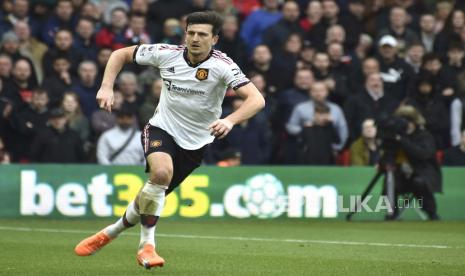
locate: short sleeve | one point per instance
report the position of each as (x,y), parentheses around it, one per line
(146,54)
(234,77)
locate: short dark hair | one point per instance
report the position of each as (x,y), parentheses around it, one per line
(40,91)
(206,17)
(58,56)
(430,57)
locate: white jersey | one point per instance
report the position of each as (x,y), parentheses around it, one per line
(192,94)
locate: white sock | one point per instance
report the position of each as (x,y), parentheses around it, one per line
(132,216)
(157,195)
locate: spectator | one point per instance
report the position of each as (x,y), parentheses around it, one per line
(62,19)
(148,107)
(398,19)
(231,43)
(172,32)
(161,10)
(120,145)
(6,66)
(87,86)
(454,64)
(451,32)
(140,7)
(19,88)
(136,32)
(414,56)
(276,35)
(108,6)
(64,47)
(84,39)
(372,102)
(432,65)
(427,32)
(287,59)
(358,78)
(224,7)
(455,156)
(10,46)
(102,120)
(306,55)
(289,98)
(20,12)
(29,121)
(443,11)
(57,143)
(364,48)
(59,81)
(340,63)
(30,47)
(336,83)
(257,22)
(7,131)
(356,16)
(395,72)
(313,15)
(6,108)
(364,151)
(317,137)
(103,55)
(259,81)
(255,131)
(198,5)
(4,155)
(457,111)
(425,99)
(334,34)
(92,10)
(262,63)
(317,34)
(303,115)
(76,120)
(113,36)
(132,98)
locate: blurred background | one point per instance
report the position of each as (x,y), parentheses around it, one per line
(53,54)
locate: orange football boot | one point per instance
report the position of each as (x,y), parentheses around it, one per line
(148,257)
(92,244)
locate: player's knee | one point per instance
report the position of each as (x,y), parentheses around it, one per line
(161,176)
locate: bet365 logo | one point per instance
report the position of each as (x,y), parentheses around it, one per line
(104,199)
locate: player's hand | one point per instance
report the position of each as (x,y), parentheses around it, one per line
(105,98)
(220,128)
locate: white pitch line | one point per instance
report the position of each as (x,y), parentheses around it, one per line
(70,231)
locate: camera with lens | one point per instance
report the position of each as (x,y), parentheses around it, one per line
(390,127)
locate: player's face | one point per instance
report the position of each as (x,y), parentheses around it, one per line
(200,39)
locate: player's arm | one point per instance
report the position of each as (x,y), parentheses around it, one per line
(116,62)
(253,103)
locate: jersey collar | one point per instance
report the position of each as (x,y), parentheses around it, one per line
(198,63)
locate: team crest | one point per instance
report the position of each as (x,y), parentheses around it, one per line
(202,74)
(155,144)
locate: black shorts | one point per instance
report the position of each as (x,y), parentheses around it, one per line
(155,139)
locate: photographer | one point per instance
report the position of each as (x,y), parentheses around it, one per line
(417,171)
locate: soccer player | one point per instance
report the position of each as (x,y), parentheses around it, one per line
(195,79)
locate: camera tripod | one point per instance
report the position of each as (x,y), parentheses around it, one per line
(386,170)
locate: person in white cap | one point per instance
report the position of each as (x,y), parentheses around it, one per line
(398,20)
(395,72)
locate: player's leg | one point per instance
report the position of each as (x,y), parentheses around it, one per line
(151,201)
(92,244)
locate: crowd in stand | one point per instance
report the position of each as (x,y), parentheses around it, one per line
(328,70)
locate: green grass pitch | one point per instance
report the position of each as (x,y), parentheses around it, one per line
(240,247)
